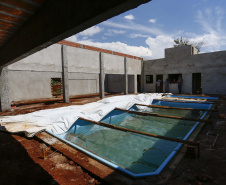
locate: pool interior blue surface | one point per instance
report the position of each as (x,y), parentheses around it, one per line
(168,112)
(193,97)
(182,105)
(135,154)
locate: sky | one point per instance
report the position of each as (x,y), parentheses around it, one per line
(150,28)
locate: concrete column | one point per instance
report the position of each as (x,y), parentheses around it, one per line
(142,76)
(65,74)
(126,76)
(102,75)
(4,90)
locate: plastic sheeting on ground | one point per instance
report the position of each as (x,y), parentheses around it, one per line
(59,120)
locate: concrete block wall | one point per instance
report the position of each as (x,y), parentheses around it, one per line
(212,66)
(29,85)
(30,78)
(115,83)
(83,83)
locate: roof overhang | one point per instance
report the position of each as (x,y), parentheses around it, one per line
(27,26)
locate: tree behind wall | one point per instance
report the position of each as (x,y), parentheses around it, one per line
(182,42)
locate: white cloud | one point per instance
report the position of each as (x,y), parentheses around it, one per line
(214,38)
(134,26)
(91,31)
(72,38)
(152,20)
(118,31)
(211,21)
(157,45)
(129,17)
(135,35)
(112,32)
(122,48)
(84,38)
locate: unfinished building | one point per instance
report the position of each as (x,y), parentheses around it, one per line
(39,76)
(44,80)
(201,73)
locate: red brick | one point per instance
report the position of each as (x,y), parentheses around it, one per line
(77,45)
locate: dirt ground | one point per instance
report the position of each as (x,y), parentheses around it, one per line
(21,158)
(210,167)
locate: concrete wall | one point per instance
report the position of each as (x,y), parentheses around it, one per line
(115,83)
(48,59)
(28,85)
(113,64)
(30,78)
(83,83)
(181,61)
(82,60)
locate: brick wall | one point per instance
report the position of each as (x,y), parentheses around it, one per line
(77,45)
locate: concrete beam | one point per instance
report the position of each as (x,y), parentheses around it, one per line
(102,75)
(126,76)
(142,76)
(4,90)
(65,84)
(135,84)
(57,20)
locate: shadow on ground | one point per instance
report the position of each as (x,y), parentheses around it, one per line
(17,167)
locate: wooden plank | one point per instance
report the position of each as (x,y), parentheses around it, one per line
(163,116)
(167,107)
(170,100)
(143,133)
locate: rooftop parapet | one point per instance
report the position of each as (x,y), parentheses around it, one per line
(180,52)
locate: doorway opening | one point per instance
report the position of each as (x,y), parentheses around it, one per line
(159,77)
(138,83)
(197,83)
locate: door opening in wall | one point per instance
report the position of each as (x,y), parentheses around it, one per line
(159,89)
(56,87)
(197,83)
(138,83)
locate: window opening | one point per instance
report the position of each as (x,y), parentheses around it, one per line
(56,87)
(173,78)
(149,79)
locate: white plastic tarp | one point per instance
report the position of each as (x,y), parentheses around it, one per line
(59,120)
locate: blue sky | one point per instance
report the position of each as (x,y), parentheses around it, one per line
(147,30)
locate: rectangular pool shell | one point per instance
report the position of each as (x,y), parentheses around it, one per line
(114,166)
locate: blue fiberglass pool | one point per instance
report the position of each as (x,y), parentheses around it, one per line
(188,104)
(193,97)
(134,154)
